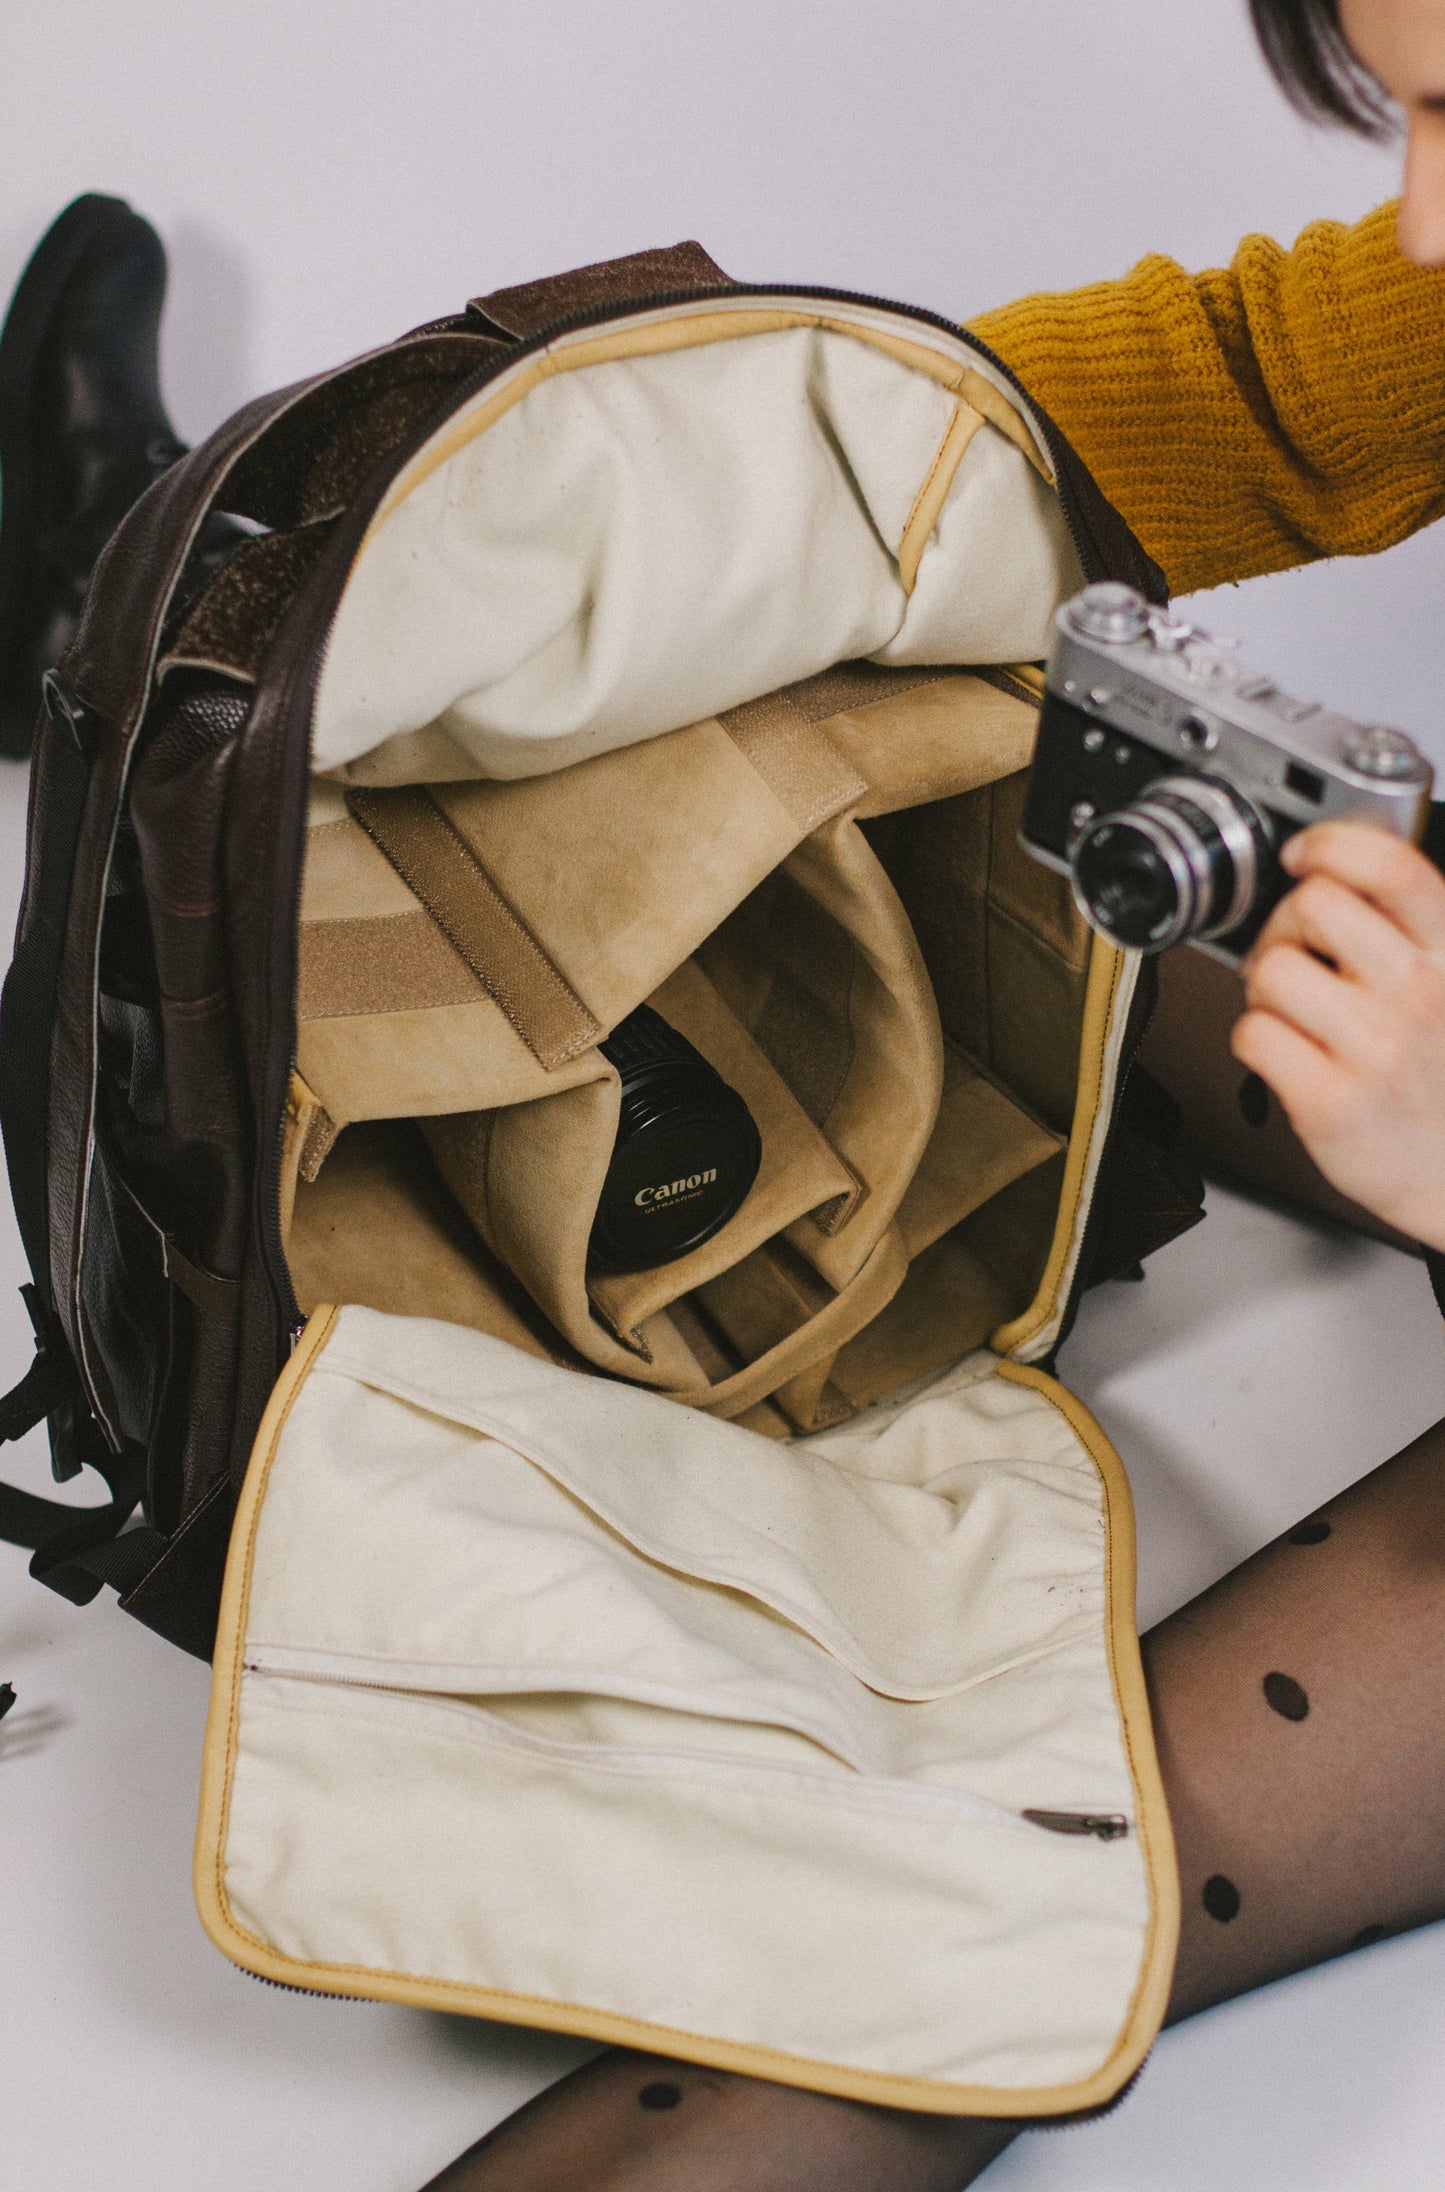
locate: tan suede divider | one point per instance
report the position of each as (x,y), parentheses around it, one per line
(899,1003)
(939,739)
(849,1017)
(800,1173)
(1005,948)
(529,1178)
(769,1295)
(958,1291)
(981,1144)
(378,1225)
(948,1303)
(617,868)
(621,866)
(587,862)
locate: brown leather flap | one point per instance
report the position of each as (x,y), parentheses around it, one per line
(530,306)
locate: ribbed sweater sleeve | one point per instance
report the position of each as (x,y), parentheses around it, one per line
(1287,407)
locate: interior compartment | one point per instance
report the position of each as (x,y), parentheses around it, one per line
(899,1000)
(529,1177)
(513,846)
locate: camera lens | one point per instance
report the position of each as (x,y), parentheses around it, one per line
(1183,861)
(687,1150)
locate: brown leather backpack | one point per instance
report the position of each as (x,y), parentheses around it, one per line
(150,1029)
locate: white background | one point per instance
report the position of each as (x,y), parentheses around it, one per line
(325,177)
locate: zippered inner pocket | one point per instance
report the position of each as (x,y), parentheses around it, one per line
(548,1698)
(668,1738)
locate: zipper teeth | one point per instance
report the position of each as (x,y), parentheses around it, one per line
(907,1796)
(278,1271)
(285,1986)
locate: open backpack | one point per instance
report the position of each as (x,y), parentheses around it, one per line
(734,1656)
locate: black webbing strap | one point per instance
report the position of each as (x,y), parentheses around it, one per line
(76,1549)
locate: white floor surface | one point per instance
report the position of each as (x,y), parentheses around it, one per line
(1260,1367)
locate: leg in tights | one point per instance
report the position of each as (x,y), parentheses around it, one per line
(1299,1707)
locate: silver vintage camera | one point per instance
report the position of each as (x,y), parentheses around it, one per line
(1167,776)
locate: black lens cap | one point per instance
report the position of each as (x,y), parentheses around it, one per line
(686,1155)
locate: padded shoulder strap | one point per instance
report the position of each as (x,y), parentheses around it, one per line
(103,687)
(531,306)
(98,699)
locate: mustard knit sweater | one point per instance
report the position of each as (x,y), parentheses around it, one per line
(1287,407)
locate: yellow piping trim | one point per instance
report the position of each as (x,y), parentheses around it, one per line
(693,333)
(931,2095)
(218,1749)
(1126,1667)
(1105,968)
(932,495)
(1000,412)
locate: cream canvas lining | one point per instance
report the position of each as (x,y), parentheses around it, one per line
(615,1719)
(621,538)
(742,1715)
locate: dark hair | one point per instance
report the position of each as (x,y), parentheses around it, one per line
(1316,67)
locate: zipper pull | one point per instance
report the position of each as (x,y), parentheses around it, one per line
(1105,1826)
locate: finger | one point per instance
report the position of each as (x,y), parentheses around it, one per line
(1393,875)
(1328,1008)
(1303,1077)
(1323,916)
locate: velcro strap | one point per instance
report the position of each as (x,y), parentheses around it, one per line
(230,627)
(439,866)
(795,759)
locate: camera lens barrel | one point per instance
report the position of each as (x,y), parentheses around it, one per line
(1183,861)
(686,1155)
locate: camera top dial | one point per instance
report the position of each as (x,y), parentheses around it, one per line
(1114,614)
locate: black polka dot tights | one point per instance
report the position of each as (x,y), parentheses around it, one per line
(1299,1708)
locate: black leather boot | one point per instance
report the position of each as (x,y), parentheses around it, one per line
(83,430)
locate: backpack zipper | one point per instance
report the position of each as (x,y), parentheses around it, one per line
(925,1796)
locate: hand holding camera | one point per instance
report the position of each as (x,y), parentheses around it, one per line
(1346,1019)
(1189,799)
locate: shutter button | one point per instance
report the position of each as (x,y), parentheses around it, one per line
(1115,614)
(1388,755)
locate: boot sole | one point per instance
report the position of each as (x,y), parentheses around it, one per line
(48,273)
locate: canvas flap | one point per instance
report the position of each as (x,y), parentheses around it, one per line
(642,526)
(541,1697)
